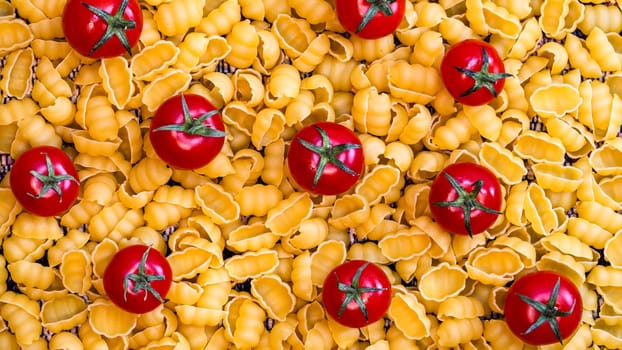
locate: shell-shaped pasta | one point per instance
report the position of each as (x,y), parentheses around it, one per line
(17,73)
(251,237)
(470,329)
(547,101)
(559,17)
(500,21)
(240,116)
(602,50)
(36,132)
(539,210)
(409,316)
(165,85)
(604,216)
(568,245)
(485,120)
(73,239)
(405,244)
(9,208)
(293,34)
(460,307)
(148,175)
(581,57)
(274,295)
(108,320)
(248,86)
(31,226)
(220,20)
(244,43)
(557,177)
(310,234)
(442,282)
(603,160)
(268,127)
(371,49)
(574,136)
(31,274)
(606,335)
(371,111)
(117,80)
(283,85)
(63,313)
(268,52)
(506,166)
(588,232)
(378,183)
(17,248)
(539,147)
(26,327)
(302,286)
(244,322)
(178,16)
(100,120)
(61,112)
(114,221)
(251,264)
(349,211)
(190,314)
(313,54)
(563,264)
(75,271)
(17,35)
(247,199)
(153,59)
(287,216)
(190,261)
(494,266)
(329,254)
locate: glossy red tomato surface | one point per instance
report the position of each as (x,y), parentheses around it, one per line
(325,158)
(473,72)
(356,293)
(187,131)
(44,181)
(370,19)
(465,198)
(137,278)
(102,28)
(543,307)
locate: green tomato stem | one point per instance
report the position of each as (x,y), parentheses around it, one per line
(142,280)
(51,181)
(376,6)
(467,201)
(193,126)
(353,291)
(116,25)
(482,78)
(548,312)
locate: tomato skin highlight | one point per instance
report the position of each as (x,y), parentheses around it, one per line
(305,164)
(463,62)
(126,262)
(452,218)
(183,149)
(29,190)
(352,12)
(376,302)
(539,285)
(84,28)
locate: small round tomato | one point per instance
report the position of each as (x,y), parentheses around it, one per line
(543,307)
(356,293)
(137,278)
(187,131)
(370,19)
(325,158)
(44,181)
(465,198)
(102,28)
(473,72)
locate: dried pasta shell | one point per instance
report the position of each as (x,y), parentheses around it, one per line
(506,166)
(376,184)
(557,178)
(539,211)
(274,295)
(216,203)
(371,111)
(268,127)
(606,335)
(404,85)
(539,147)
(9,208)
(164,86)
(604,160)
(560,17)
(190,314)
(27,225)
(500,21)
(293,34)
(329,254)
(310,234)
(525,250)
(349,211)
(405,244)
(546,101)
(563,264)
(108,320)
(75,271)
(63,313)
(409,316)
(153,59)
(613,249)
(190,261)
(117,80)
(17,73)
(442,282)
(252,264)
(240,116)
(17,35)
(287,216)
(252,237)
(494,266)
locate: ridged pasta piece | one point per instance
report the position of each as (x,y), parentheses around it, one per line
(409,316)
(349,211)
(494,266)
(485,120)
(539,147)
(603,159)
(588,232)
(405,244)
(500,21)
(283,86)
(251,264)
(546,103)
(17,73)
(178,16)
(563,264)
(32,226)
(244,322)
(17,35)
(63,313)
(165,85)
(377,184)
(442,281)
(607,18)
(302,286)
(454,332)
(285,218)
(153,59)
(268,127)
(596,212)
(117,80)
(421,90)
(108,320)
(311,57)
(220,20)
(581,57)
(328,255)
(253,237)
(244,42)
(75,271)
(508,167)
(274,295)
(371,111)
(557,177)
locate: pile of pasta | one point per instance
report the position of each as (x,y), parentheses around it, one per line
(249,250)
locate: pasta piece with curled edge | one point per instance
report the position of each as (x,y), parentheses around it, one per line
(403,85)
(546,101)
(165,85)
(563,264)
(499,335)
(409,316)
(244,42)
(500,21)
(190,261)
(557,177)
(178,16)
(63,313)
(349,211)
(442,281)
(17,35)
(153,59)
(453,332)
(329,255)
(253,237)
(539,210)
(216,203)
(286,217)
(405,244)
(494,266)
(220,20)
(75,271)
(506,166)
(539,147)
(274,295)
(251,264)
(108,320)
(17,73)
(243,323)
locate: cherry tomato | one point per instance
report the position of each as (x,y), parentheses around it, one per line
(473,72)
(137,278)
(44,181)
(370,19)
(465,198)
(543,307)
(325,158)
(102,28)
(356,293)
(187,131)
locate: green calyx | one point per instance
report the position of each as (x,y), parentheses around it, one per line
(375,6)
(51,181)
(328,154)
(193,126)
(116,25)
(548,312)
(467,201)
(142,280)
(353,291)
(483,78)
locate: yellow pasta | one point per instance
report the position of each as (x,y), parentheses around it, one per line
(244,41)
(178,16)
(441,282)
(408,315)
(274,295)
(221,20)
(494,266)
(18,35)
(75,271)
(63,313)
(284,85)
(167,84)
(252,237)
(404,85)
(251,264)
(17,73)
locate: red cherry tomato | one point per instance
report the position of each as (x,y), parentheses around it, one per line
(44,181)
(102,28)
(543,307)
(137,279)
(465,198)
(370,19)
(325,158)
(187,131)
(356,293)
(473,72)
